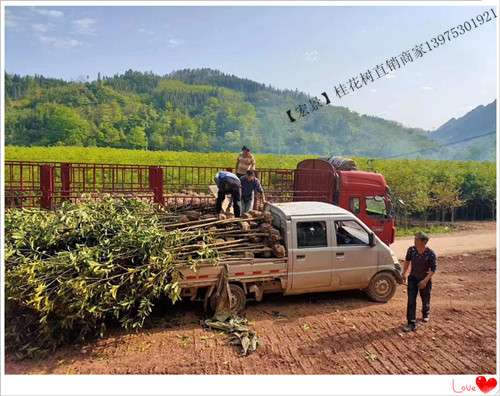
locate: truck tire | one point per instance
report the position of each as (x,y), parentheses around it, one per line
(382,287)
(238,299)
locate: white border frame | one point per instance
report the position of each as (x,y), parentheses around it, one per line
(229,384)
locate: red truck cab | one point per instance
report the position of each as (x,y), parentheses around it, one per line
(365,194)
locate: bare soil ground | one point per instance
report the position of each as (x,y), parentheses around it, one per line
(328,333)
(475,225)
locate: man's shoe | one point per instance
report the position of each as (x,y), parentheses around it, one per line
(410,327)
(426,319)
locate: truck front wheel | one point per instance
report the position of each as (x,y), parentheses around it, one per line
(382,287)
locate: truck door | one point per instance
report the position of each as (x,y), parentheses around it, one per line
(372,210)
(311,254)
(355,260)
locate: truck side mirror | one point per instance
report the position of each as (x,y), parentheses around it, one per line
(371,239)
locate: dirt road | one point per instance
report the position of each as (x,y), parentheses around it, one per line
(330,333)
(474,239)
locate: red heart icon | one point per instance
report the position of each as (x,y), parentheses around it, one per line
(484,385)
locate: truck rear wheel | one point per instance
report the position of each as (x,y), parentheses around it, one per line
(382,287)
(238,299)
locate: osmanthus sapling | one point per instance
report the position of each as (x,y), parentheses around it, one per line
(71,272)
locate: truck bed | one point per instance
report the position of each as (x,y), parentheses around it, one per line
(239,270)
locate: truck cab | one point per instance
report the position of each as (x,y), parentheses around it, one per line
(365,194)
(331,249)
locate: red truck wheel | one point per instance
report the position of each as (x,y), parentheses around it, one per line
(382,287)
(238,299)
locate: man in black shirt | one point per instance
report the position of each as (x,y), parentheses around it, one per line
(422,261)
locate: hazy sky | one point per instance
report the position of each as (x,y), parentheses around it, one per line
(308,48)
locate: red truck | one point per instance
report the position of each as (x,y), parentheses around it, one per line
(365,194)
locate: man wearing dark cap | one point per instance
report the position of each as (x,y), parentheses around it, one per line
(422,263)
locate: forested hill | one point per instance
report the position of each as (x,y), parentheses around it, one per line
(193,110)
(480,121)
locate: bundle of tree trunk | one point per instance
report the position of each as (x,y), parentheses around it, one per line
(187,199)
(173,202)
(248,237)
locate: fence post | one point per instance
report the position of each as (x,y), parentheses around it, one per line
(46,185)
(159,187)
(156,184)
(65,181)
(151,177)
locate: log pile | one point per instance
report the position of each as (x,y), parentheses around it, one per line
(182,201)
(248,237)
(188,200)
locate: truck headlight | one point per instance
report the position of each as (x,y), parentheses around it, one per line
(398,271)
(396,262)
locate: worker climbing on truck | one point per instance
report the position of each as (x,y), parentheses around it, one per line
(249,186)
(228,183)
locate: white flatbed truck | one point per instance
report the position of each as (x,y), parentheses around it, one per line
(328,249)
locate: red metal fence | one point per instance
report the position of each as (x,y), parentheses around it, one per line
(32,184)
(47,184)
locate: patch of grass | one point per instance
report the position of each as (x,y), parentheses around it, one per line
(431,230)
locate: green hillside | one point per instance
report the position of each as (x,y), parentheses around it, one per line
(190,110)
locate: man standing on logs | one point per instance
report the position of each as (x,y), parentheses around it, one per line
(249,186)
(228,183)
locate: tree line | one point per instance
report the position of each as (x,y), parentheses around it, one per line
(435,190)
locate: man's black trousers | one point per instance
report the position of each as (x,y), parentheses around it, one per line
(425,295)
(235,195)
